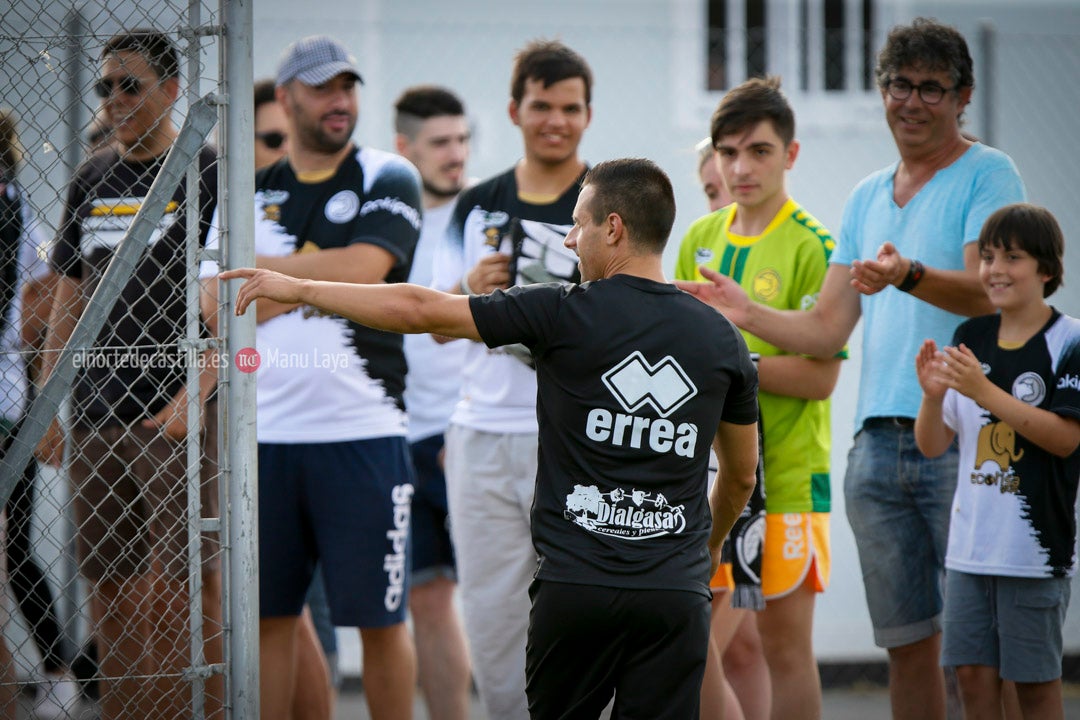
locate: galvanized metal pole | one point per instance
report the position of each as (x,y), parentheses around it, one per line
(238,388)
(985,91)
(197,671)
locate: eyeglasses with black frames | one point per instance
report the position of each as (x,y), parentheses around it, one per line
(930,92)
(126,84)
(271,139)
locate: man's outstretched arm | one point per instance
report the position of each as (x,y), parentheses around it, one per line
(397,307)
(820,331)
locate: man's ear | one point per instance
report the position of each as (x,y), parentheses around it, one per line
(964,97)
(400,143)
(792,152)
(615,229)
(280,93)
(171,86)
(512,110)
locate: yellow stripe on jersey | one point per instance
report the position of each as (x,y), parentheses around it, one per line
(122,209)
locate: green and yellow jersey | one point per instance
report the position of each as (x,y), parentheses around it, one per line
(784,268)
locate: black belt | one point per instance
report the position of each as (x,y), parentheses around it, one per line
(892,421)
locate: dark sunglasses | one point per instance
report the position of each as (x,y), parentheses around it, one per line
(128,85)
(272,139)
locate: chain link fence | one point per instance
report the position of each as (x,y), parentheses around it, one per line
(113,547)
(1029,90)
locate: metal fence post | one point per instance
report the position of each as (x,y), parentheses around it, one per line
(238,425)
(987,37)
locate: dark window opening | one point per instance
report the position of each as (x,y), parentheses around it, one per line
(756,46)
(868,59)
(835,45)
(716,48)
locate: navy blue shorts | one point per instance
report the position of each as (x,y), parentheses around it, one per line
(433,553)
(346,505)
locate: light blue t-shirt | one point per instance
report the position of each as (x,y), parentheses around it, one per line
(946,214)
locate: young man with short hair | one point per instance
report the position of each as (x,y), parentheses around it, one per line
(433,134)
(509,230)
(779,253)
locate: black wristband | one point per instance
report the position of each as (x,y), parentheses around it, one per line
(914,275)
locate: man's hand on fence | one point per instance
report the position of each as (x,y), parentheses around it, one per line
(263,284)
(50,449)
(173,417)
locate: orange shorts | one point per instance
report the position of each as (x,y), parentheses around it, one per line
(796,551)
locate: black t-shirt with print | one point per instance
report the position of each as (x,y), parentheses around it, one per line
(633,379)
(136,366)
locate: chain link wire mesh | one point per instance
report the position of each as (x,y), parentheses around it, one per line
(113,556)
(1031,90)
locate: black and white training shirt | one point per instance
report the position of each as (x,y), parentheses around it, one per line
(322,378)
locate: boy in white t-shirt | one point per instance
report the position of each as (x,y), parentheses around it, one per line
(1009,389)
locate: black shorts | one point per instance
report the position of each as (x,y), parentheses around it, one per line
(433,552)
(586,642)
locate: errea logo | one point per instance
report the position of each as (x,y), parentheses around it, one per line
(636,383)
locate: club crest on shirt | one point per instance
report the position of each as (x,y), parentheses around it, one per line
(493,222)
(703,256)
(766,285)
(342,207)
(631,515)
(1030,388)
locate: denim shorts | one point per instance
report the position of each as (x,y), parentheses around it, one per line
(1013,624)
(898,503)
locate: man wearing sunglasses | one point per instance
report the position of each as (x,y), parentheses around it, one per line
(128,463)
(271,133)
(907,261)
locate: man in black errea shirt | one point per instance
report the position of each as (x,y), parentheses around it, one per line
(634,380)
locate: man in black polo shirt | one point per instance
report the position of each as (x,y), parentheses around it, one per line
(635,381)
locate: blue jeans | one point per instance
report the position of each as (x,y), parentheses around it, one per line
(898,504)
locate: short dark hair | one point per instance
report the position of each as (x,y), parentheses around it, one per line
(928,45)
(422,102)
(10,149)
(639,192)
(548,61)
(155,46)
(749,103)
(265,92)
(1032,229)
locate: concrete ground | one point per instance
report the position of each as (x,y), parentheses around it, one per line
(855,703)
